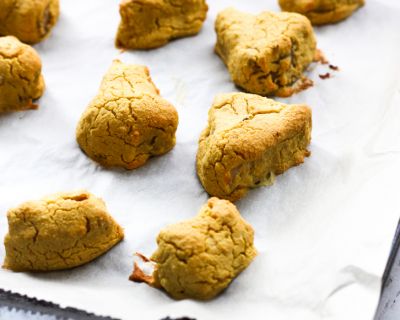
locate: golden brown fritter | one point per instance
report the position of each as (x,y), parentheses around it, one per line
(61,231)
(267,53)
(21,80)
(29,20)
(127,122)
(322,11)
(248,140)
(198,258)
(147,24)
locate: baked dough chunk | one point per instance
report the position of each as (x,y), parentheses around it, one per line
(29,20)
(198,258)
(127,122)
(250,139)
(322,11)
(21,80)
(60,231)
(267,53)
(147,24)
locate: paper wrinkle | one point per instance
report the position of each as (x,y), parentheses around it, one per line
(354,275)
(323,230)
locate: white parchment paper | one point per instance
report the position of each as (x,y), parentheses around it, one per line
(323,230)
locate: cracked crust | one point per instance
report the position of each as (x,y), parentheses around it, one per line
(198,258)
(61,231)
(248,140)
(29,20)
(267,53)
(322,11)
(21,80)
(147,24)
(127,122)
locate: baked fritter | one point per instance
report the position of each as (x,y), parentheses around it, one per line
(21,79)
(199,257)
(29,20)
(127,122)
(266,53)
(61,231)
(322,11)
(248,140)
(147,24)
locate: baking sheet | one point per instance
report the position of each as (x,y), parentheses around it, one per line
(323,230)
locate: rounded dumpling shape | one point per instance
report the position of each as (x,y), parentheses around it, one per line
(21,79)
(199,257)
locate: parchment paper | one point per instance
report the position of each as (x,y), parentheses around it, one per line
(323,230)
